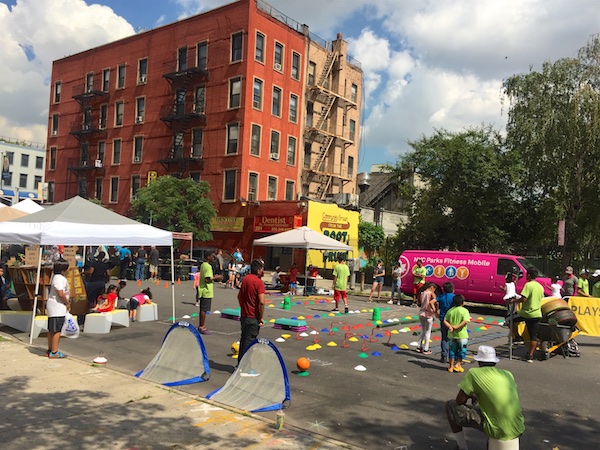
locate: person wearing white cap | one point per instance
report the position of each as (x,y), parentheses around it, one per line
(495,409)
(583,284)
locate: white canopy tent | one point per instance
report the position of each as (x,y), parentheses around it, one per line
(80,222)
(28,206)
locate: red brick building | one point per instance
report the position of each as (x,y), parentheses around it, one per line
(240,96)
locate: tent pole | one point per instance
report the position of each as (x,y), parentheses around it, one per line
(173,284)
(35,294)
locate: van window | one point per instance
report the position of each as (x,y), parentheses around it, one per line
(508,265)
(528,265)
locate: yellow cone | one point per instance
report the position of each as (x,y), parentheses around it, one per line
(331,344)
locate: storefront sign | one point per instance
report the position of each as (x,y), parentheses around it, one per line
(276,224)
(234,224)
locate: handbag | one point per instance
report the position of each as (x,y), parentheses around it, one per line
(70,328)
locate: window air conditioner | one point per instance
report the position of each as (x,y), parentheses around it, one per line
(137,159)
(98,163)
(54,133)
(86,126)
(274,156)
(277,66)
(139,119)
(142,78)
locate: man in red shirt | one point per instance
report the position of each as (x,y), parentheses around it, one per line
(252,303)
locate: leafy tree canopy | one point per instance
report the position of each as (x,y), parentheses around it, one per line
(176,204)
(370,236)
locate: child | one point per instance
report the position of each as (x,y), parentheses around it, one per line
(555,287)
(427,311)
(456,320)
(293,279)
(196,284)
(57,306)
(137,300)
(107,300)
(509,287)
(445,302)
(121,301)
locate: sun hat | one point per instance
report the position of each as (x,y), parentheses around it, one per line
(485,353)
(568,269)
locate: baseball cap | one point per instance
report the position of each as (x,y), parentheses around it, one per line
(569,269)
(585,272)
(596,273)
(485,353)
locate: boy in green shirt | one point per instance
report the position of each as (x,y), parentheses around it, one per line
(456,321)
(341,272)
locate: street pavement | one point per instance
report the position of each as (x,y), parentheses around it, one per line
(397,402)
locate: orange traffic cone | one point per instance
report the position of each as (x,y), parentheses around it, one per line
(157,282)
(166,284)
(178,280)
(139,282)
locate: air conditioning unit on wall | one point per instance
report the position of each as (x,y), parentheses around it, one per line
(139,119)
(54,133)
(277,66)
(274,156)
(142,78)
(98,163)
(137,159)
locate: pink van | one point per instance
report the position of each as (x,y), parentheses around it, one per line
(477,276)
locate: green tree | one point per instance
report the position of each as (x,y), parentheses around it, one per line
(371,237)
(176,204)
(554,128)
(464,201)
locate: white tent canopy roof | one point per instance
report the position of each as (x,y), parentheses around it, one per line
(80,222)
(28,206)
(302,237)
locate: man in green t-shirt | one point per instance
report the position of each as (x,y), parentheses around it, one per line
(583,284)
(341,272)
(206,290)
(530,312)
(495,408)
(419,272)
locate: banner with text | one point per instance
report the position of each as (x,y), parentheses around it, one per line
(587,310)
(276,224)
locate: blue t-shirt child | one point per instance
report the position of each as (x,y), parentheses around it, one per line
(445,302)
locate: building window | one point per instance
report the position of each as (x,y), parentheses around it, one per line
(230,185)
(119,108)
(138,145)
(195,176)
(255,140)
(353,92)
(87,118)
(197,137)
(252,186)
(307,155)
(11,157)
(84,154)
(182,55)
(272,188)
(82,187)
(235,89)
(114,190)
(232,138)
(143,70)
(295,66)
(200,99)
(103,116)
(8,179)
(106,80)
(202,52)
(57,89)
(278,57)
(180,102)
(52,164)
(350,166)
(121,76)
(237,43)
(293,108)
(51,192)
(258,94)
(178,145)
(24,160)
(23,180)
(39,162)
(135,185)
(312,69)
(55,118)
(276,107)
(274,153)
(101,151)
(352,129)
(289,190)
(89,82)
(116,156)
(140,109)
(98,189)
(259,50)
(291,151)
(36,181)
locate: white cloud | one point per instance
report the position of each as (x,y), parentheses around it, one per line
(49,30)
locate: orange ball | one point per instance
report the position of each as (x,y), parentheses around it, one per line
(303,364)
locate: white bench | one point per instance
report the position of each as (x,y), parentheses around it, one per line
(101,323)
(21,320)
(147,312)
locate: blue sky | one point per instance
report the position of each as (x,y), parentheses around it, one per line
(427,63)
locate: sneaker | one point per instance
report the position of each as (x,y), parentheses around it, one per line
(335,309)
(528,358)
(47,353)
(204,331)
(197,304)
(520,341)
(459,369)
(390,302)
(426,352)
(414,305)
(346,310)
(55,355)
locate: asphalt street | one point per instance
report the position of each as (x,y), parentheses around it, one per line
(398,400)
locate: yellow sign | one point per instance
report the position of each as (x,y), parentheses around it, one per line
(234,224)
(335,222)
(151,176)
(587,310)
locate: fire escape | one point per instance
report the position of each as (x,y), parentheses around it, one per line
(180,116)
(92,127)
(322,128)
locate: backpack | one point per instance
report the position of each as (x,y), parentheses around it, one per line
(573,349)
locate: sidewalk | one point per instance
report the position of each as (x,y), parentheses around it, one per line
(68,403)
